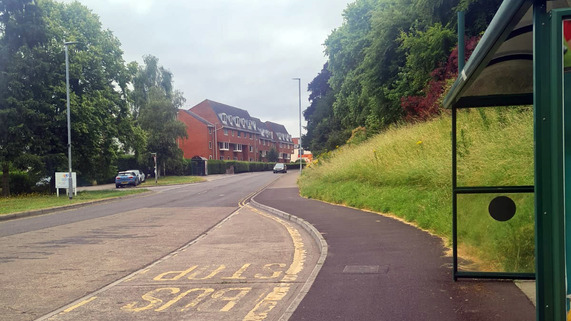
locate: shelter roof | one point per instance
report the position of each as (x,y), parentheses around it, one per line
(500,70)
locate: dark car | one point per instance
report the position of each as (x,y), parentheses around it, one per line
(280,168)
(126,178)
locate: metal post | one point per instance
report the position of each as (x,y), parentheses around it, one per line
(155,158)
(461,42)
(70,179)
(549,171)
(299,147)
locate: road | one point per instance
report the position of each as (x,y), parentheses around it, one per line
(186,252)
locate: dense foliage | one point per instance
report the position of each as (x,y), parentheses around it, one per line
(382,61)
(107,118)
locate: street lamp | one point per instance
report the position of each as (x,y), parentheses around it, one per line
(155,159)
(299,147)
(70,179)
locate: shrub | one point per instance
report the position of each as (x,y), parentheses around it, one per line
(20,183)
(216,167)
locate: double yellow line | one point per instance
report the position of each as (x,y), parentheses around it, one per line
(246,199)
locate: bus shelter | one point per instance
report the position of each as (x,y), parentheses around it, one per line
(523,59)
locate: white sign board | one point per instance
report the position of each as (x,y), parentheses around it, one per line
(62,181)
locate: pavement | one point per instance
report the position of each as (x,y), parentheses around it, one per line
(378,268)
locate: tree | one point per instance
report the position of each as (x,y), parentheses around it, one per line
(21,29)
(324,130)
(155,105)
(33,90)
(273,155)
(385,50)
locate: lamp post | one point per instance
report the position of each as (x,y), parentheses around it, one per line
(299,147)
(70,179)
(155,159)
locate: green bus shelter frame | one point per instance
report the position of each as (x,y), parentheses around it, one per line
(549,184)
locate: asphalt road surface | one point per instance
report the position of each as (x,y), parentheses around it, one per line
(185,252)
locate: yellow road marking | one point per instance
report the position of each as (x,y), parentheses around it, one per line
(84,302)
(264,306)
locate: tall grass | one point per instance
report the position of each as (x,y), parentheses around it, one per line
(406,171)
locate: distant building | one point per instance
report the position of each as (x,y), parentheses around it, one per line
(219,131)
(307,155)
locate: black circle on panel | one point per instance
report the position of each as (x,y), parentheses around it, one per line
(502,208)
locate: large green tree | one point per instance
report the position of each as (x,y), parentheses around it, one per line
(155,105)
(22,28)
(33,101)
(385,51)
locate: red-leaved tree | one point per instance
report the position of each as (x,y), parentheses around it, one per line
(427,105)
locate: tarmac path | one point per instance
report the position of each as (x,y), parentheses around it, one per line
(378,268)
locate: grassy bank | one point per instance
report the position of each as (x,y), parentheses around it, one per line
(406,171)
(24,203)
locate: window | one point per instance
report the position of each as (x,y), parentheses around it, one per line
(251,136)
(239,134)
(232,133)
(221,157)
(228,158)
(235,158)
(251,148)
(238,147)
(210,157)
(210,145)
(210,130)
(224,145)
(250,159)
(225,131)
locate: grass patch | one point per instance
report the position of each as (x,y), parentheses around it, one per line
(406,171)
(171,180)
(23,203)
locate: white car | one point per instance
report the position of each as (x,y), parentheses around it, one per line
(139,174)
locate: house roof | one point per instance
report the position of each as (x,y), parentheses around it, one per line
(227,109)
(262,129)
(280,130)
(206,122)
(233,117)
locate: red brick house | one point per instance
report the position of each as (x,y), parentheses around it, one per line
(201,139)
(282,140)
(219,131)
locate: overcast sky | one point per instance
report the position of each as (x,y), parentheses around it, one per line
(242,53)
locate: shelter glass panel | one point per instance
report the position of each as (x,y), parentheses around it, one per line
(495,146)
(499,230)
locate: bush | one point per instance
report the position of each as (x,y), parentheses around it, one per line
(20,183)
(220,166)
(125,162)
(216,167)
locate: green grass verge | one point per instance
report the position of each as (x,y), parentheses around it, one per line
(171,180)
(406,171)
(23,203)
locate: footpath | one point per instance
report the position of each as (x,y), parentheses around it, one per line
(378,268)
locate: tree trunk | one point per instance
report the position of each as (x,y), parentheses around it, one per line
(5,179)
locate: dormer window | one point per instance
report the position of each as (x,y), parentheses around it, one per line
(223,118)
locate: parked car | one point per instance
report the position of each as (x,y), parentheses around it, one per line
(280,168)
(140,174)
(126,178)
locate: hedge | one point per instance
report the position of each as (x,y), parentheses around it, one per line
(220,166)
